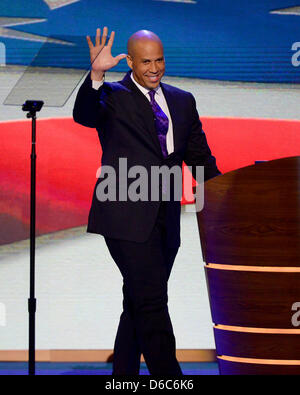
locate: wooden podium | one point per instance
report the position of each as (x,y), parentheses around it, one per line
(250,236)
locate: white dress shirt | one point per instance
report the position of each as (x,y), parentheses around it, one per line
(161,101)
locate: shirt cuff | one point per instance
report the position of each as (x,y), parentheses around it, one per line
(97,84)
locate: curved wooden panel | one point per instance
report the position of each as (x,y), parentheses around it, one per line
(251,216)
(227,367)
(250,236)
(252,298)
(257,345)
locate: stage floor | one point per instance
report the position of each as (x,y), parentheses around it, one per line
(96,368)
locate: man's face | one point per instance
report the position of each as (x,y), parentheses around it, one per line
(147,63)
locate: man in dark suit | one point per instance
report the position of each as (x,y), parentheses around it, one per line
(150,124)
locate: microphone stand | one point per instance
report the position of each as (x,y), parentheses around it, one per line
(32,106)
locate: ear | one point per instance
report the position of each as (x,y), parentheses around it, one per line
(129,61)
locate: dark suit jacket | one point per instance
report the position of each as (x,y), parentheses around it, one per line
(124,120)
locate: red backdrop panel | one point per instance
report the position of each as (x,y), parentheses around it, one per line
(68,156)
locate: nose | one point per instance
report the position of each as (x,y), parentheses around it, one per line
(153,67)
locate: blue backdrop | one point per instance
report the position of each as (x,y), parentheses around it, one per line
(210,39)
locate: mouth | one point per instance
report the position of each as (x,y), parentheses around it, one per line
(154,78)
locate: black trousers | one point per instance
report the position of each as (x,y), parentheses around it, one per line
(145,326)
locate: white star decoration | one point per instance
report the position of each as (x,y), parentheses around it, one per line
(6,22)
(287,11)
(52,4)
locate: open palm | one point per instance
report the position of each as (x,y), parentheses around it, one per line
(100,54)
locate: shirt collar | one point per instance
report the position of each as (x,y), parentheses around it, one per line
(144,90)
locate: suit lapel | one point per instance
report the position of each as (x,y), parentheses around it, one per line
(143,107)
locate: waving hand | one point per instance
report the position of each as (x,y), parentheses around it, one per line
(100,54)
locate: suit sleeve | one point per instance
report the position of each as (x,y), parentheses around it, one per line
(198,152)
(87,108)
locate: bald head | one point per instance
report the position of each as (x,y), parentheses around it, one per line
(146,58)
(139,38)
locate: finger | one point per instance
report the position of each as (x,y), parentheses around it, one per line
(89,41)
(98,33)
(120,57)
(104,36)
(111,39)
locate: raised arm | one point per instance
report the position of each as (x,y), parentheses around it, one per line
(87,109)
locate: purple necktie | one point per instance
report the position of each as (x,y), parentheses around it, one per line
(161,123)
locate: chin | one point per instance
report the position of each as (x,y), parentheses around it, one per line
(153,85)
